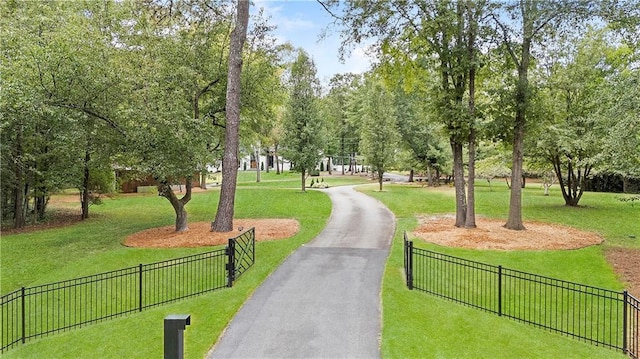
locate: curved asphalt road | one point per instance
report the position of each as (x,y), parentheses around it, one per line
(324,300)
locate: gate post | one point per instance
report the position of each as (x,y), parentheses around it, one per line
(23,310)
(625,323)
(410,266)
(499,290)
(174,326)
(140,280)
(231,266)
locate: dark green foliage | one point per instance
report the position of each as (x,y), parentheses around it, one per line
(302,122)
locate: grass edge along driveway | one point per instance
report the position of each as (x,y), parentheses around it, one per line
(418,325)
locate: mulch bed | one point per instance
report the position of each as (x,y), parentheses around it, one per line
(199,233)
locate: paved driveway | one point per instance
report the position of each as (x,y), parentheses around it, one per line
(324,300)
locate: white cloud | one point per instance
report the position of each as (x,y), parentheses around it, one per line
(300,23)
(275,10)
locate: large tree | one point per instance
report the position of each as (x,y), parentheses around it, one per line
(60,75)
(138,85)
(569,142)
(224,215)
(578,138)
(524,26)
(341,131)
(420,132)
(621,144)
(379,133)
(302,123)
(437,34)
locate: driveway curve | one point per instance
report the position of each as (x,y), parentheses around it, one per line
(324,300)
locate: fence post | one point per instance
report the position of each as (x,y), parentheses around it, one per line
(410,270)
(140,287)
(231,266)
(253,245)
(405,250)
(22,293)
(500,291)
(625,323)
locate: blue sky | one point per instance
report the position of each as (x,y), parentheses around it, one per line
(300,22)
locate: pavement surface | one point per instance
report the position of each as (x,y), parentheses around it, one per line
(324,300)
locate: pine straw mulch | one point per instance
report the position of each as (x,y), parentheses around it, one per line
(626,262)
(200,235)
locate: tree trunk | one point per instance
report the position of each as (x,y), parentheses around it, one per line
(470,220)
(19,195)
(380,179)
(342,153)
(224,215)
(203,179)
(329,166)
(458,180)
(275,156)
(514,221)
(164,189)
(411,175)
(429,175)
(258,164)
(84,191)
(41,202)
(303,181)
(573,186)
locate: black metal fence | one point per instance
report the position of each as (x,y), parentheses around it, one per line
(596,315)
(242,254)
(37,311)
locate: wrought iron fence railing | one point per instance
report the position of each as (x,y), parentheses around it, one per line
(32,312)
(599,316)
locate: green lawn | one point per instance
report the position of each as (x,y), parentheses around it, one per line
(414,324)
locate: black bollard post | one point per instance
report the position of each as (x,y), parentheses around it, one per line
(174,326)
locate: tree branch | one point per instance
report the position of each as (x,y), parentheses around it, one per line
(196,97)
(327,8)
(506,39)
(91,112)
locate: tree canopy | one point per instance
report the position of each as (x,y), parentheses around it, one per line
(303,143)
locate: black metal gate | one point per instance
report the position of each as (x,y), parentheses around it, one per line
(242,254)
(596,315)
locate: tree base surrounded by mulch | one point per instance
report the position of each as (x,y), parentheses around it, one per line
(200,235)
(491,234)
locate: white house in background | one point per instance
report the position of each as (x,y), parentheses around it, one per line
(249,162)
